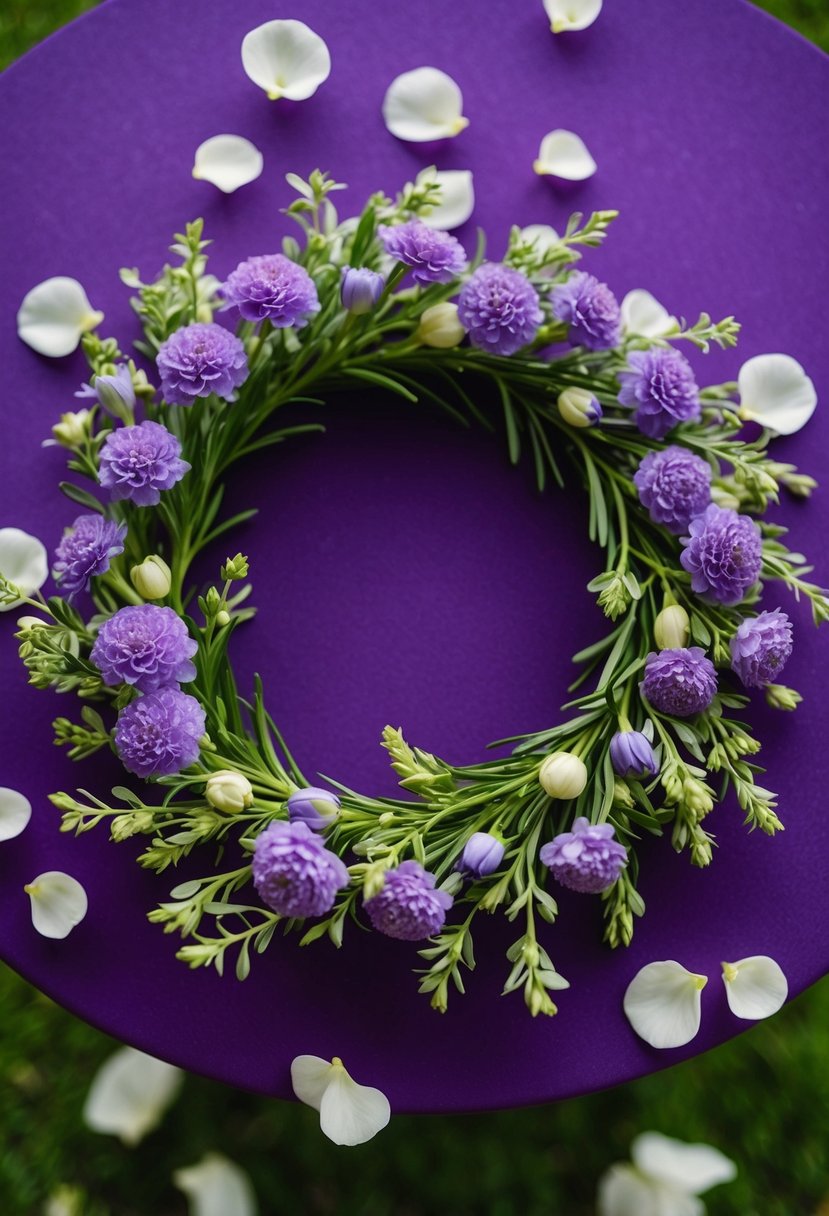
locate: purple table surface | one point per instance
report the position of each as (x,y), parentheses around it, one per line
(404,572)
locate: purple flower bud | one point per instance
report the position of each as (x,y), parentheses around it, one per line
(632,754)
(314,806)
(360,289)
(115,393)
(482,855)
(587,859)
(294,873)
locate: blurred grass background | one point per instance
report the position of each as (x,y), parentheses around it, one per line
(763,1098)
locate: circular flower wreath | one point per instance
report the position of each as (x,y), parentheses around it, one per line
(676,504)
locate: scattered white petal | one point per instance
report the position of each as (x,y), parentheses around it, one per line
(227,161)
(662,1003)
(571,14)
(643,314)
(54,315)
(755,987)
(349,1113)
(623,1191)
(776,392)
(15,813)
(564,154)
(58,903)
(424,104)
(286,59)
(129,1094)
(217,1187)
(541,235)
(23,561)
(457,197)
(692,1168)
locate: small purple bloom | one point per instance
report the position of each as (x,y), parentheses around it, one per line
(587,859)
(482,855)
(314,806)
(436,257)
(159,734)
(138,462)
(761,647)
(674,485)
(632,754)
(679,682)
(144,645)
(115,393)
(591,311)
(499,308)
(272,288)
(198,360)
(294,873)
(723,554)
(86,550)
(408,907)
(360,289)
(660,383)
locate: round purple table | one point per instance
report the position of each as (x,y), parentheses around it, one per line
(404,572)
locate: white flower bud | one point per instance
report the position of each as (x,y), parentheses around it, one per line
(563,775)
(72,429)
(152,579)
(439,326)
(671,628)
(25,623)
(578,407)
(228,791)
(222,618)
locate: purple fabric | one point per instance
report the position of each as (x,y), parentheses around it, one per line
(371,627)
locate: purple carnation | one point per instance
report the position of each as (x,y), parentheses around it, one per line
(408,907)
(591,311)
(144,645)
(679,682)
(661,384)
(632,755)
(587,859)
(138,462)
(159,734)
(435,256)
(86,550)
(198,360)
(272,288)
(294,873)
(499,308)
(723,554)
(760,648)
(675,485)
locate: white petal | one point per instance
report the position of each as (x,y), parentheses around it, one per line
(309,1077)
(351,1113)
(755,987)
(571,14)
(286,59)
(58,903)
(457,198)
(217,1187)
(623,1191)
(692,1168)
(424,104)
(15,813)
(227,161)
(541,235)
(662,1003)
(643,314)
(776,392)
(23,561)
(564,154)
(54,315)
(129,1094)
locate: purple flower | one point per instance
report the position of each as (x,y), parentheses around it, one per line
(198,360)
(435,256)
(482,855)
(272,288)
(294,873)
(587,859)
(632,754)
(661,384)
(679,682)
(723,554)
(408,907)
(314,806)
(138,462)
(144,645)
(360,289)
(675,485)
(86,550)
(590,309)
(158,734)
(760,648)
(499,308)
(115,393)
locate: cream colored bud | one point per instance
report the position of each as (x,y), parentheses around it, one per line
(152,579)
(672,628)
(25,623)
(228,791)
(222,618)
(72,429)
(578,407)
(563,775)
(439,326)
